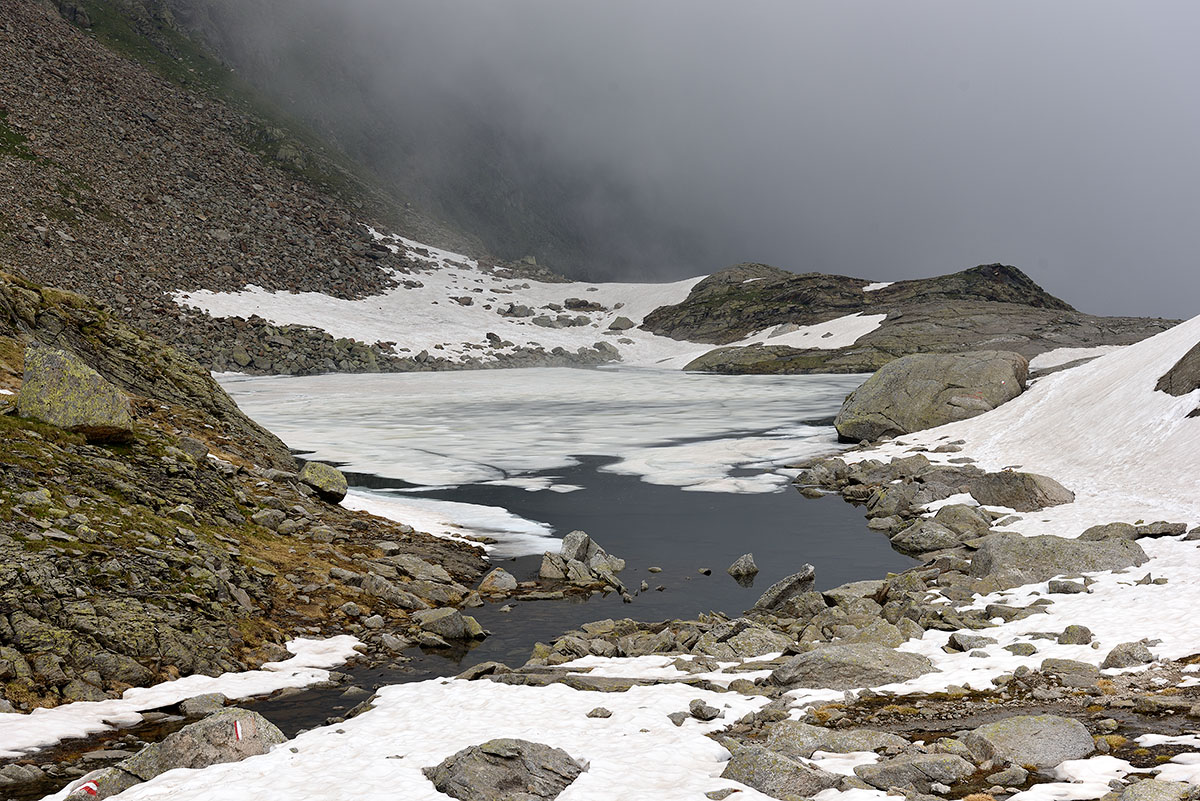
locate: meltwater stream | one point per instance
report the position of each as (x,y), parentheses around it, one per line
(665,469)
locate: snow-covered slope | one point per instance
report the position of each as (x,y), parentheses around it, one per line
(1127,451)
(448,305)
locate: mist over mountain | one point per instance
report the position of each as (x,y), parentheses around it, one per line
(670,139)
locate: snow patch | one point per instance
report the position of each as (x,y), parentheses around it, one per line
(20,733)
(877,286)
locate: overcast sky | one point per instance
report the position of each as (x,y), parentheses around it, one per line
(884,140)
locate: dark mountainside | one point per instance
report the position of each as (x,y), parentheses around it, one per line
(986,307)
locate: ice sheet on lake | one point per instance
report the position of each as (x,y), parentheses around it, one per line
(453,428)
(515,536)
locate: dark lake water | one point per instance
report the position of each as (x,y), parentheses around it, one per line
(647,525)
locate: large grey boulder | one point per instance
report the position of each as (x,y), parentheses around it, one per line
(227,736)
(775,774)
(796,739)
(328,481)
(505,770)
(1155,790)
(915,771)
(61,390)
(966,520)
(1042,741)
(1014,560)
(924,536)
(923,391)
(1024,492)
(848,666)
(779,593)
(1127,654)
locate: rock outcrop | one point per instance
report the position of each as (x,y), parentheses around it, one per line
(928,390)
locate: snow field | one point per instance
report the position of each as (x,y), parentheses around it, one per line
(428,317)
(20,733)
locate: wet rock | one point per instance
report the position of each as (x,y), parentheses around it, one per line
(843,667)
(506,769)
(1022,492)
(1127,654)
(498,581)
(327,480)
(743,566)
(923,391)
(1042,741)
(776,775)
(199,705)
(445,623)
(779,593)
(915,771)
(1014,560)
(60,389)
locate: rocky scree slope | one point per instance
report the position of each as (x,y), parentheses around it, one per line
(193,548)
(989,307)
(125,185)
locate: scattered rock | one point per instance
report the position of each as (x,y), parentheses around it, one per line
(499,581)
(776,775)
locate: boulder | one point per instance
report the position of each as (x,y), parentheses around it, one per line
(925,536)
(743,566)
(1109,531)
(1127,654)
(1071,673)
(848,666)
(61,390)
(776,775)
(1023,492)
(505,770)
(199,705)
(1183,377)
(778,594)
(1014,560)
(328,481)
(915,771)
(923,391)
(1155,790)
(446,623)
(498,581)
(101,784)
(621,324)
(799,740)
(226,736)
(963,519)
(1042,741)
